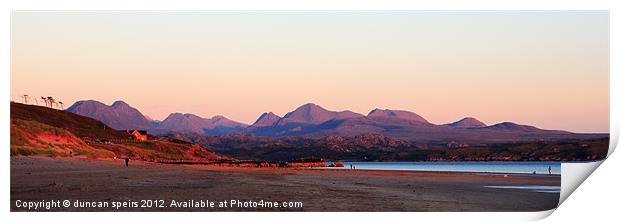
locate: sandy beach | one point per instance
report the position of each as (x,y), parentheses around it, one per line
(34,179)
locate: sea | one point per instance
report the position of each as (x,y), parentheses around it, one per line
(475,167)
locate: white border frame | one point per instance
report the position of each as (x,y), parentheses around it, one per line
(292,5)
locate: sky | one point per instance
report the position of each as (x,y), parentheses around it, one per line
(549,69)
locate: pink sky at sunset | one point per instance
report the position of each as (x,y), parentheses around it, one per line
(547,69)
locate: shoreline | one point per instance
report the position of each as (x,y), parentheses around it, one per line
(36,178)
(457,172)
(314,167)
(222,167)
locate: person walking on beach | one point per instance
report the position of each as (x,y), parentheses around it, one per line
(549,169)
(126,162)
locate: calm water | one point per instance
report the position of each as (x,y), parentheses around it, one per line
(539,189)
(480,167)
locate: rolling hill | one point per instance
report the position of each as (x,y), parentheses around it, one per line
(37,130)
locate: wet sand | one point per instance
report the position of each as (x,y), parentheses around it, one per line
(42,178)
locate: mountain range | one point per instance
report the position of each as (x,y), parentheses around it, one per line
(311,120)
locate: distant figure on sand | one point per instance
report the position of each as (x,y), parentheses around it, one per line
(351,166)
(126,162)
(549,169)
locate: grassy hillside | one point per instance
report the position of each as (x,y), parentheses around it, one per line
(34,138)
(78,125)
(37,130)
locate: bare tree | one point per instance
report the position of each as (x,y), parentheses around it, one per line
(51,101)
(61,105)
(44,99)
(25,99)
(54,103)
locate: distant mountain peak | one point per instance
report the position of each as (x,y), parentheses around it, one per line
(119,115)
(512,127)
(266,119)
(467,122)
(309,106)
(187,122)
(86,102)
(311,113)
(188,116)
(402,114)
(174,115)
(119,103)
(219,117)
